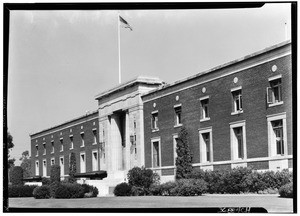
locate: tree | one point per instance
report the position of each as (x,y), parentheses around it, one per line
(72,168)
(9,144)
(184,156)
(26,164)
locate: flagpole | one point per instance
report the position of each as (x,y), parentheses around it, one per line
(119,47)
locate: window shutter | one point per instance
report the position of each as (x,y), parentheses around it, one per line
(269,95)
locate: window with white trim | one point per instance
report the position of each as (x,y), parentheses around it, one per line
(95,160)
(155,153)
(44,148)
(237,101)
(178,116)
(238,140)
(274,92)
(94,136)
(52,147)
(52,161)
(61,144)
(37,168)
(154,121)
(44,168)
(277,135)
(204,109)
(82,139)
(62,167)
(71,142)
(37,150)
(175,140)
(206,149)
(82,163)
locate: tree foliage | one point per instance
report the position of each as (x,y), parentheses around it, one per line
(26,164)
(55,173)
(72,168)
(9,144)
(184,155)
(16,175)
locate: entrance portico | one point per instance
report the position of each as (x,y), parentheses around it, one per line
(121,127)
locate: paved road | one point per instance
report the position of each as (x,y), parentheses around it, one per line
(272,203)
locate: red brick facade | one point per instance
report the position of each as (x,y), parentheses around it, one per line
(252,75)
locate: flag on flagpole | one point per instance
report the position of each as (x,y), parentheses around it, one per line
(126,24)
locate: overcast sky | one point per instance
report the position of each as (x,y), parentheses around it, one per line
(59,60)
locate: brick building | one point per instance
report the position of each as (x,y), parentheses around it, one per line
(237,114)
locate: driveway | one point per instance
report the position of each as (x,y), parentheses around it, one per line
(272,203)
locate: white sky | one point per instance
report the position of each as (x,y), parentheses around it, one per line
(59,60)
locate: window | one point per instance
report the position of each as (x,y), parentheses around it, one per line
(95,160)
(44,168)
(52,161)
(238,140)
(37,150)
(205,136)
(95,136)
(82,139)
(175,140)
(154,121)
(155,153)
(177,109)
(277,135)
(82,162)
(37,168)
(274,92)
(61,164)
(204,108)
(44,147)
(52,147)
(237,101)
(71,142)
(135,149)
(61,144)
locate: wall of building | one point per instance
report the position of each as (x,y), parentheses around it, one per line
(73,128)
(252,76)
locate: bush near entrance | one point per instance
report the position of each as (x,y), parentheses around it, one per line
(16,175)
(21,190)
(287,190)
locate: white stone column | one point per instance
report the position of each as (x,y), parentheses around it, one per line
(128,144)
(140,140)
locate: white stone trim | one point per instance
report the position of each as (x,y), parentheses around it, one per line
(204,98)
(174,147)
(154,112)
(156,139)
(177,105)
(236,88)
(275,104)
(233,145)
(202,147)
(275,77)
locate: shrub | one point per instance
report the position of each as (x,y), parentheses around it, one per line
(21,190)
(166,188)
(123,189)
(286,190)
(53,188)
(189,187)
(16,175)
(141,177)
(46,181)
(91,190)
(184,155)
(55,173)
(138,191)
(69,190)
(42,192)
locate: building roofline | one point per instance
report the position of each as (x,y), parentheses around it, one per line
(227,64)
(64,123)
(122,86)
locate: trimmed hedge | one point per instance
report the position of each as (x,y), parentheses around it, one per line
(242,180)
(16,175)
(89,191)
(69,191)
(189,187)
(123,189)
(42,192)
(142,177)
(286,190)
(21,190)
(46,181)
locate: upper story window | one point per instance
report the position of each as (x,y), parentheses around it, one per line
(94,136)
(71,142)
(52,146)
(61,144)
(237,100)
(82,139)
(37,150)
(274,92)
(44,147)
(204,108)
(177,109)
(154,120)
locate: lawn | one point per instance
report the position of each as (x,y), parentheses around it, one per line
(272,203)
